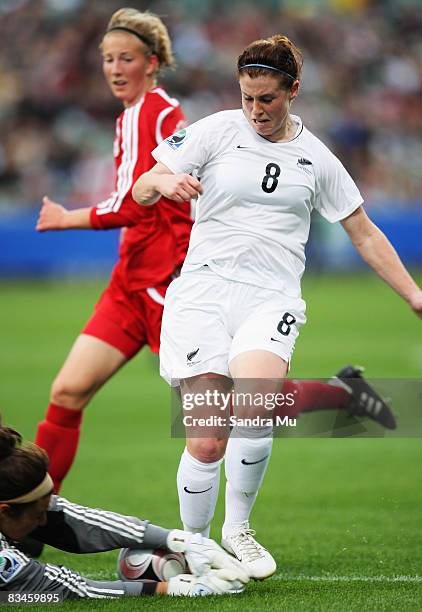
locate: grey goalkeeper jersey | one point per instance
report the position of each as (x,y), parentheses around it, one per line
(77,529)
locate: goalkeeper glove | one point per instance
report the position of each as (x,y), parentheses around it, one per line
(215,582)
(203,554)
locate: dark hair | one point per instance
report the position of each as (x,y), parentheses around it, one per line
(22,467)
(279,52)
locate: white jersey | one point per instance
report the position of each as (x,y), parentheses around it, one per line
(253,219)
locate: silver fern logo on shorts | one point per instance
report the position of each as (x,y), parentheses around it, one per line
(191,356)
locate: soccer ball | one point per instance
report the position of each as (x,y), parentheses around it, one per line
(143,564)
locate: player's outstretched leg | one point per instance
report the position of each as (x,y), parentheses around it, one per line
(364,400)
(89,364)
(343,392)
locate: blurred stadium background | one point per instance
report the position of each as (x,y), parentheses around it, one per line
(345,512)
(361,93)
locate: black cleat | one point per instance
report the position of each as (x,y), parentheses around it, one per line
(364,401)
(30,547)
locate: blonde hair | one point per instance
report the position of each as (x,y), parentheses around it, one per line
(151,30)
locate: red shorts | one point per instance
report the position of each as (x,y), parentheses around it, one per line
(128,320)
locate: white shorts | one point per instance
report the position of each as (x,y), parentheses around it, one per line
(208,320)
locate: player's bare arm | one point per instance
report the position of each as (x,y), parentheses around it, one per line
(54,216)
(378,252)
(161,181)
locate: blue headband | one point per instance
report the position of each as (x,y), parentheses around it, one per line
(268,68)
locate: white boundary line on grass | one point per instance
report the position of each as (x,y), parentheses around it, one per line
(333,578)
(106,575)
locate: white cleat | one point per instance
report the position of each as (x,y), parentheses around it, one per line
(256,559)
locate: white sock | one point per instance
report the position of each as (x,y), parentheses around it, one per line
(202,480)
(246,461)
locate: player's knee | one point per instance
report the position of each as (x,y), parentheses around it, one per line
(207,450)
(69,394)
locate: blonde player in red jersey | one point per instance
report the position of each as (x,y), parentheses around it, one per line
(154,242)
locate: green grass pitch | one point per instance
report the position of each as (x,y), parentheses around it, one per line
(341,516)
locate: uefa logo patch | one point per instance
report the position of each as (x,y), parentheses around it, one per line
(177,139)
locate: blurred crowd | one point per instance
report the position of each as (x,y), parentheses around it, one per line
(361,89)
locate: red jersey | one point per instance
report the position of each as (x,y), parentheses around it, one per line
(155,238)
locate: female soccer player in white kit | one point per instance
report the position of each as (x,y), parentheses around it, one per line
(236,310)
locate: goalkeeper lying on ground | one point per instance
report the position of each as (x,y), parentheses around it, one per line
(27,506)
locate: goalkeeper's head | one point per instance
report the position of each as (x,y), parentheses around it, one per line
(25,485)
